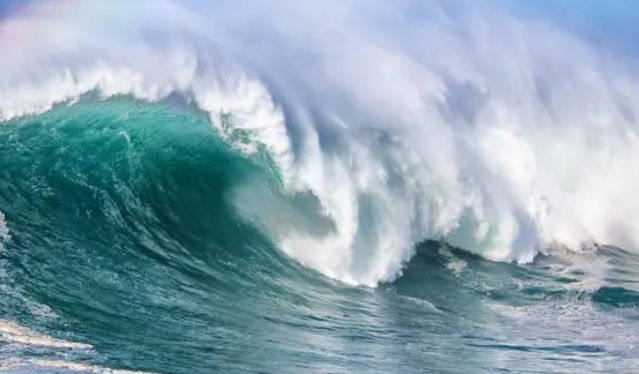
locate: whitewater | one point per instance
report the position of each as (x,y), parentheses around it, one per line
(479,129)
(344,186)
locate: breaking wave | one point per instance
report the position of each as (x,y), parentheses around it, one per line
(197,186)
(505,141)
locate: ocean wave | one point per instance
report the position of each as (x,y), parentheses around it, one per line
(504,141)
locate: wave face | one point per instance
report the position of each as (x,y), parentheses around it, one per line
(368,186)
(420,132)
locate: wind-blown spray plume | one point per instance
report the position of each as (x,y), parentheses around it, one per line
(465,122)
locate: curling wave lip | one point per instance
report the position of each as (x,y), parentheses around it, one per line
(437,139)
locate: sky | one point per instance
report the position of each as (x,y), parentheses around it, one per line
(620,17)
(608,23)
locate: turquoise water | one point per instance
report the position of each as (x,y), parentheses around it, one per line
(127,247)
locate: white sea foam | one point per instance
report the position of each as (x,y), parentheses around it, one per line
(20,340)
(496,133)
(14,334)
(4,230)
(56,366)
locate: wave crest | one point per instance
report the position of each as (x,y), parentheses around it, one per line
(493,132)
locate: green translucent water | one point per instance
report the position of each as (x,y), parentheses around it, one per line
(125,236)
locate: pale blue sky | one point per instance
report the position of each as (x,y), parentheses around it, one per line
(612,24)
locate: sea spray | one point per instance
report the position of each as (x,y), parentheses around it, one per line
(401,139)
